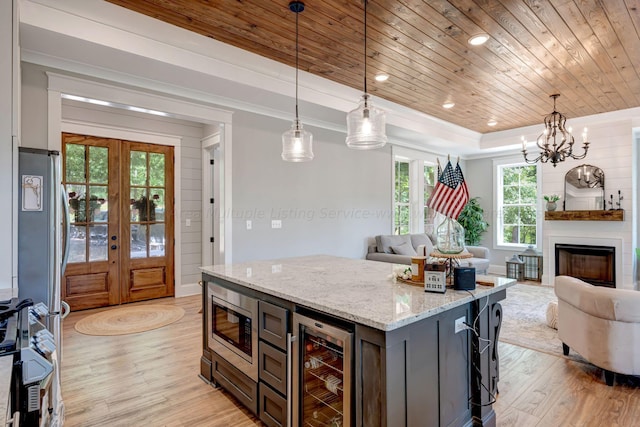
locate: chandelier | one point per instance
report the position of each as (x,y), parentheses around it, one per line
(366,124)
(555,142)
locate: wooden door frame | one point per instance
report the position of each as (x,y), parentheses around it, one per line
(93,129)
(192,109)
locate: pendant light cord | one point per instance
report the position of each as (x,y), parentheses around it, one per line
(365,46)
(297,13)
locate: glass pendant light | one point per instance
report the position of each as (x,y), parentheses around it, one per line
(297,143)
(366,124)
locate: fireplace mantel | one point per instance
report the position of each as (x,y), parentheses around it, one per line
(599,215)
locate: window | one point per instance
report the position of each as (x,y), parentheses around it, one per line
(414,182)
(517,204)
(402,208)
(429,181)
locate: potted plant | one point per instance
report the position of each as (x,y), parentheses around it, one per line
(551,201)
(472,219)
(146,208)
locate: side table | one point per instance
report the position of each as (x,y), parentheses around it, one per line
(451,261)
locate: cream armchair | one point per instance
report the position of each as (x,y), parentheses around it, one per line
(601,324)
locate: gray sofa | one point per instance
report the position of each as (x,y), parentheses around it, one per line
(399,249)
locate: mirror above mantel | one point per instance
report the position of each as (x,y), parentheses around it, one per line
(584,189)
(584,197)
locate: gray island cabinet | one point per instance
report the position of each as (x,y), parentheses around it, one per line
(414,358)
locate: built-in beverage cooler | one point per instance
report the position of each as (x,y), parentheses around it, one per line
(322,362)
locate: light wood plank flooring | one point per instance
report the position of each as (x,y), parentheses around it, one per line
(151,379)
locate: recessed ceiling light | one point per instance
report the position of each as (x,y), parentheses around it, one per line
(448,105)
(382,77)
(492,123)
(478,39)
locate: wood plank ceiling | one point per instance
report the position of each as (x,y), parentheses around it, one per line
(586,50)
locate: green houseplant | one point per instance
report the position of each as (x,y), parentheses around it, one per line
(472,219)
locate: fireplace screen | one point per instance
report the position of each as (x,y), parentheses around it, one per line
(593,264)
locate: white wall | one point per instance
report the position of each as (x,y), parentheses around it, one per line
(611,150)
(331,205)
(9,132)
(34,92)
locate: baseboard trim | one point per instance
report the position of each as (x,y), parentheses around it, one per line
(188,289)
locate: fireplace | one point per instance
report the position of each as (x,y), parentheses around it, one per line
(593,264)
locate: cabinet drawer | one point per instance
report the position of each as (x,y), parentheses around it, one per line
(235,382)
(273,324)
(273,407)
(273,367)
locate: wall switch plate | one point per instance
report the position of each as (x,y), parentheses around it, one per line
(460,326)
(188,222)
(249,272)
(276,268)
(276,223)
(249,225)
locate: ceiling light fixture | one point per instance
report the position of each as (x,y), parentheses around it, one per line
(478,39)
(297,143)
(448,105)
(366,124)
(492,123)
(382,77)
(551,149)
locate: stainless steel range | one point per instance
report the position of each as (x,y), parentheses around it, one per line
(24,337)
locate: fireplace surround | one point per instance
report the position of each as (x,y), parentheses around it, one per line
(590,263)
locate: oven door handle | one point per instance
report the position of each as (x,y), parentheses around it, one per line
(290,340)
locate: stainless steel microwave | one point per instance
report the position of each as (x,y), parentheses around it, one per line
(233,328)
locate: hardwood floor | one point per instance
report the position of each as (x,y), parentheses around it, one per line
(147,379)
(151,379)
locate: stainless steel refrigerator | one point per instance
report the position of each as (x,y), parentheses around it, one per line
(42,230)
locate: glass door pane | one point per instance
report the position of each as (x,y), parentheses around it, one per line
(147,188)
(322,379)
(88,207)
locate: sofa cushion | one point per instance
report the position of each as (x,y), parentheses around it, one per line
(385,241)
(404,249)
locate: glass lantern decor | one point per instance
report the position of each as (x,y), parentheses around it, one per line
(450,237)
(515,268)
(532,264)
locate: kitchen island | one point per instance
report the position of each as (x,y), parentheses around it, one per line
(409,367)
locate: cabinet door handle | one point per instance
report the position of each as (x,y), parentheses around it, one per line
(290,339)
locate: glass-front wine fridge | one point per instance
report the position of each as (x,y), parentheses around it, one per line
(321,374)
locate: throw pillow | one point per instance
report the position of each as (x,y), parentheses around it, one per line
(388,240)
(404,249)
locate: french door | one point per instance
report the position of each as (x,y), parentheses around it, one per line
(120,196)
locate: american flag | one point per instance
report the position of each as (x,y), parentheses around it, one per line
(451,192)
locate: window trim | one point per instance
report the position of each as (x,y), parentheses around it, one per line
(497,198)
(417,161)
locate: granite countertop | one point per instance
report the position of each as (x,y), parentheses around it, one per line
(5,367)
(358,290)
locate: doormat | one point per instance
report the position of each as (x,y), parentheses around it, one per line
(129,319)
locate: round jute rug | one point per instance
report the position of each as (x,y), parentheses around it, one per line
(129,319)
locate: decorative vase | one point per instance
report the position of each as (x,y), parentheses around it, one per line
(450,237)
(551,206)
